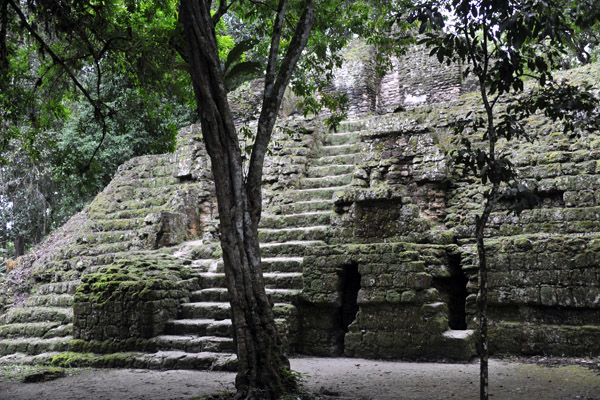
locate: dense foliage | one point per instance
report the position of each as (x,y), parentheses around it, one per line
(76,101)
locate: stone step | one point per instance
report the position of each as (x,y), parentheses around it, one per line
(559,157)
(353,125)
(458,345)
(330,170)
(346,137)
(96,261)
(208,265)
(351,148)
(106,237)
(182,360)
(549,220)
(282,280)
(293,148)
(320,232)
(101,249)
(269,264)
(58,288)
(573,183)
(194,343)
(112,224)
(320,193)
(37,314)
(201,327)
(221,310)
(205,310)
(36,329)
(34,346)
(142,192)
(289,249)
(325,182)
(51,300)
(282,264)
(128,214)
(205,327)
(300,207)
(273,221)
(209,251)
(153,182)
(159,360)
(345,158)
(221,295)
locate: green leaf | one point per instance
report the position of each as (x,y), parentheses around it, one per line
(237,52)
(247,67)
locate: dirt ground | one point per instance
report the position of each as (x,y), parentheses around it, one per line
(341,378)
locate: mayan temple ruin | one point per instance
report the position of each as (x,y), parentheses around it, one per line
(367,241)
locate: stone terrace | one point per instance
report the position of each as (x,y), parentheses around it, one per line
(367,244)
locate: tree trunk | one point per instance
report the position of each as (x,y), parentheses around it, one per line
(480,223)
(262,367)
(482,304)
(19,245)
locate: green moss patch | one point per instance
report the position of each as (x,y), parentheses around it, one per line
(129,299)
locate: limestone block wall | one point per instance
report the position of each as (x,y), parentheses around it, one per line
(544,268)
(129,300)
(400,314)
(400,192)
(415,79)
(418,79)
(357,78)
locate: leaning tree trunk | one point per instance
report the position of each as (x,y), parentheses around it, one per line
(262,367)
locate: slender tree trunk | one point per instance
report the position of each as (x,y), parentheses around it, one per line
(482,304)
(262,367)
(480,223)
(19,245)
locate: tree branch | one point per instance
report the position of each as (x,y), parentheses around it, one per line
(264,4)
(274,49)
(54,56)
(271,104)
(223,7)
(96,103)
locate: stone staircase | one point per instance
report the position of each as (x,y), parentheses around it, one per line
(113,227)
(202,333)
(118,224)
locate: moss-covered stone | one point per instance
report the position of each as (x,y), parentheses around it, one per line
(129,299)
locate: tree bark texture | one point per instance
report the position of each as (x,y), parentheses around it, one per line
(263,369)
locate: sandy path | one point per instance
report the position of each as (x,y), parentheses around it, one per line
(348,378)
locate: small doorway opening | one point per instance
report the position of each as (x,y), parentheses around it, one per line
(453,290)
(349,285)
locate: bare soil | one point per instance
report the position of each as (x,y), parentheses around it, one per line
(332,378)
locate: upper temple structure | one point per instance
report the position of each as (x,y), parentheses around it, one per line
(367,241)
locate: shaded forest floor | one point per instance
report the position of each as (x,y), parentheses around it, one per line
(329,378)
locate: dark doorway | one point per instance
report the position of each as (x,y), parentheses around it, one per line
(453,290)
(349,284)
